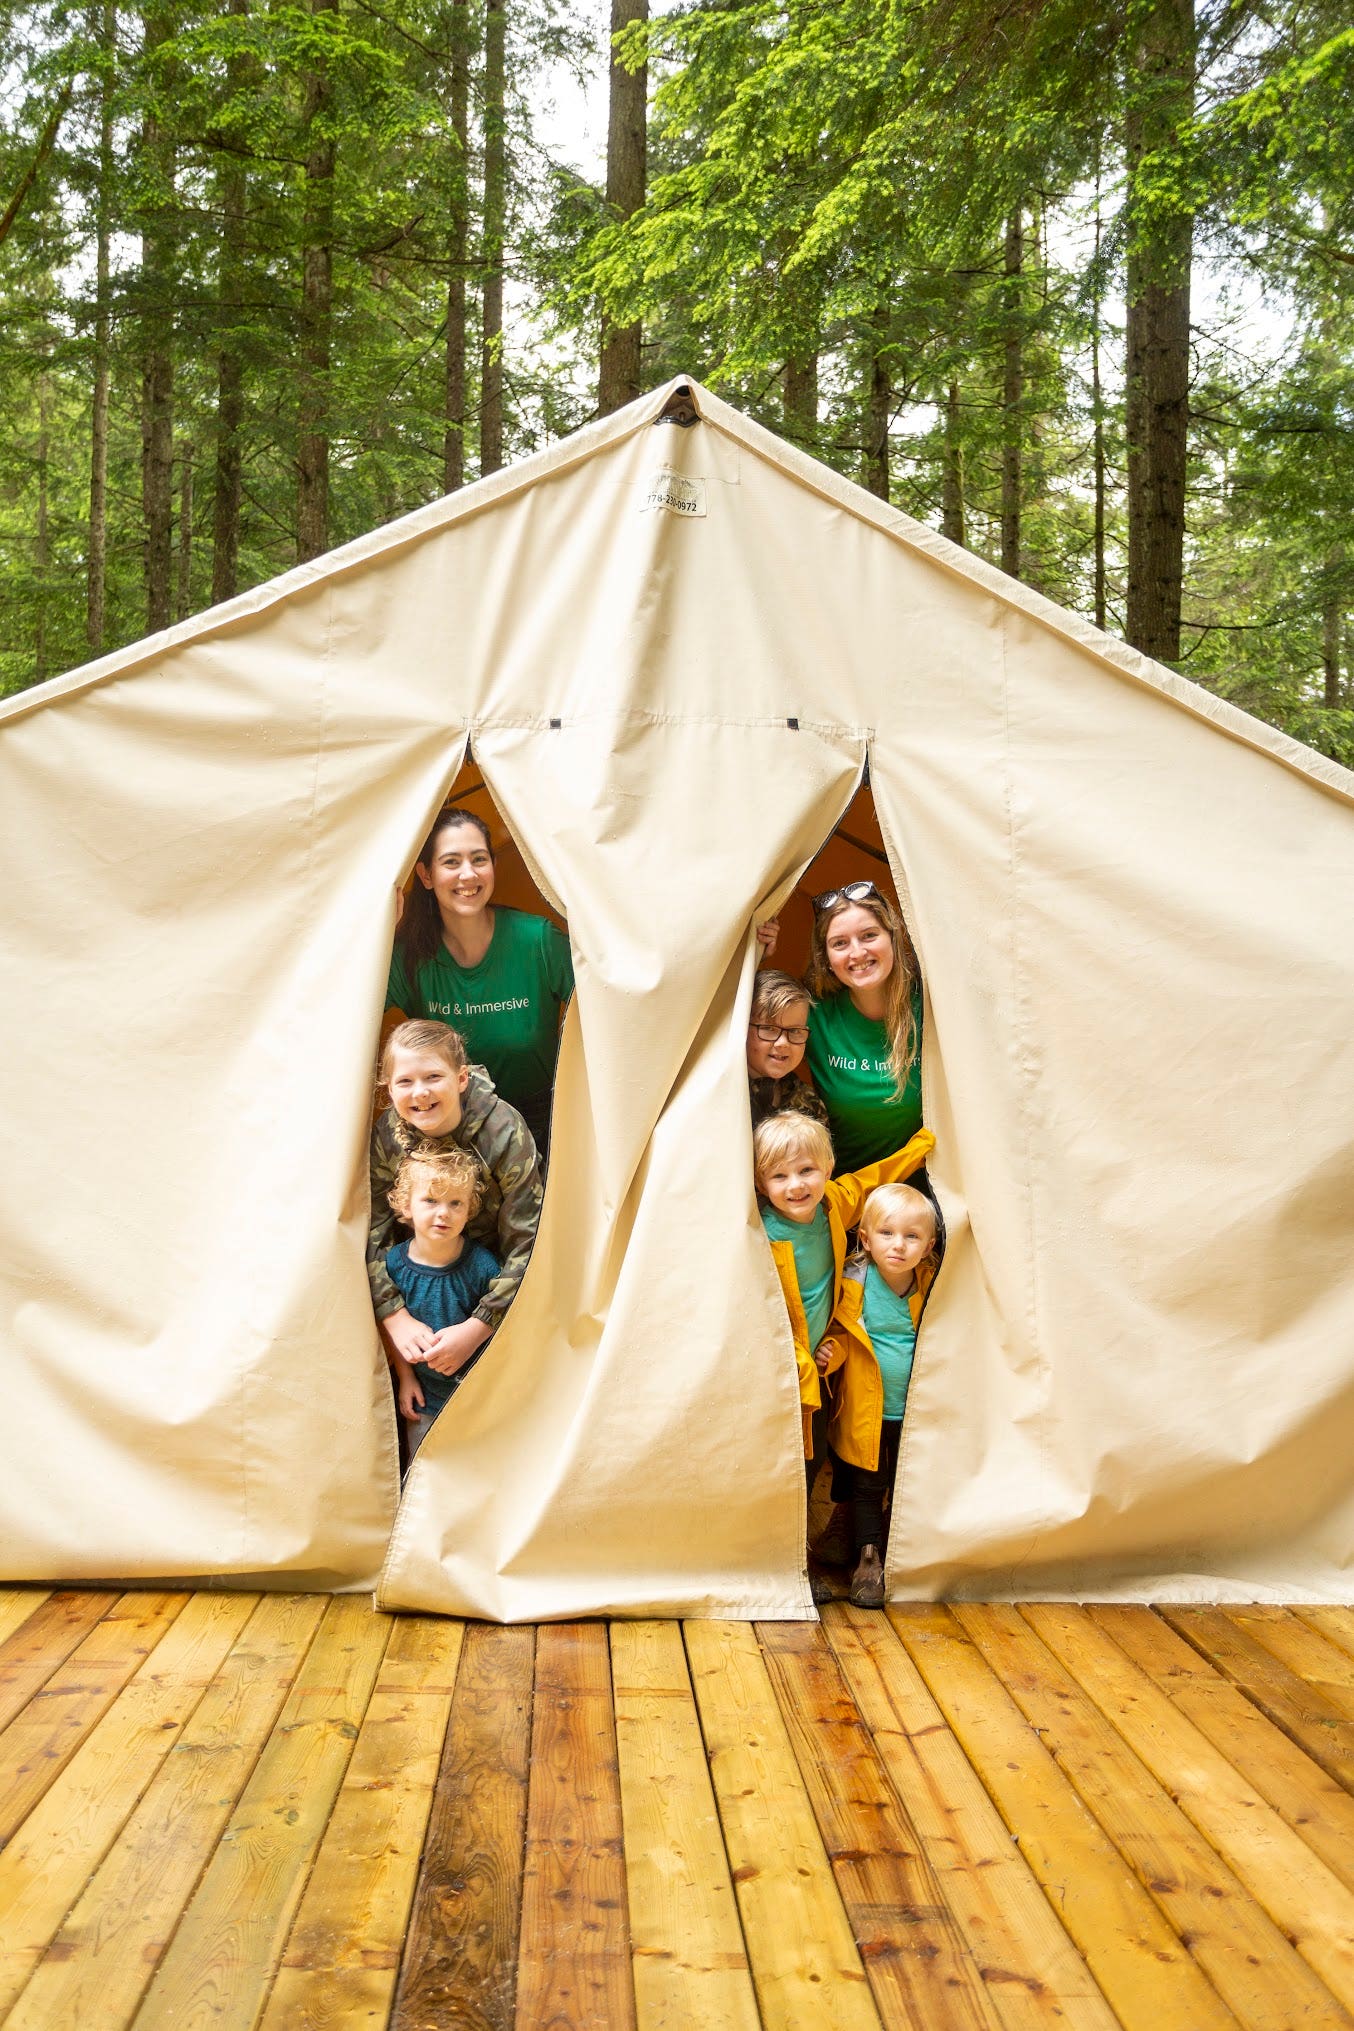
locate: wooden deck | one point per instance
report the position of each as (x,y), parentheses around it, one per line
(227,1809)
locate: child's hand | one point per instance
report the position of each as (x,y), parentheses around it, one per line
(405,1336)
(767,934)
(822,1356)
(454,1345)
(411,1391)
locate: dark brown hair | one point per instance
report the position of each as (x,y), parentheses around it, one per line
(420,928)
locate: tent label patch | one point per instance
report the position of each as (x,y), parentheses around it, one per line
(669,491)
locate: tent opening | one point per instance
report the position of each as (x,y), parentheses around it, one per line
(854,853)
(479,950)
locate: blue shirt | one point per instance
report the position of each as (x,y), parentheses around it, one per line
(888,1321)
(438,1298)
(815,1270)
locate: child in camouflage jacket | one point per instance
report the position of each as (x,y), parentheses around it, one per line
(439,1102)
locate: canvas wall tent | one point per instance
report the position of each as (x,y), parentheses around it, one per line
(674,649)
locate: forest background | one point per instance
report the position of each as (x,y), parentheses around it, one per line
(1073,283)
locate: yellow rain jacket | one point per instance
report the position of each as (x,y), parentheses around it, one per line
(857,1387)
(843,1200)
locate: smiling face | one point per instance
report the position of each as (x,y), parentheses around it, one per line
(858,949)
(426,1091)
(459,871)
(780,1055)
(794,1186)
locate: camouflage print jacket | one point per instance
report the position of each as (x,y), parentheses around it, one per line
(510,1176)
(784,1096)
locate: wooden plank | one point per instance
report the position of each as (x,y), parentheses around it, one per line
(1145,1973)
(42,1738)
(1033,1972)
(1320,1730)
(100,1961)
(343,1955)
(690,1964)
(42,1642)
(460,1959)
(71,1829)
(223,1955)
(1311,1906)
(573,1967)
(805,1966)
(1240,1948)
(1312,1803)
(916,1959)
(16,1605)
(1304,1650)
(1335,1624)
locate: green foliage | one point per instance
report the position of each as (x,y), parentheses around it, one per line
(830,186)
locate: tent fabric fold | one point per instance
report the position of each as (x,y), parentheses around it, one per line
(671,652)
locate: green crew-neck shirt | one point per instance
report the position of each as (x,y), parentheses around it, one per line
(507,1008)
(848,1055)
(815,1265)
(887,1319)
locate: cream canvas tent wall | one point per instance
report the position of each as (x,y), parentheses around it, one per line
(673,650)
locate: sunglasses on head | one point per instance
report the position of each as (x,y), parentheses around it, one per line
(854,892)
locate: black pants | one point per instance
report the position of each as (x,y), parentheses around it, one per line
(535,1112)
(867,1490)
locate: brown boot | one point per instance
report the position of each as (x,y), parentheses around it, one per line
(836,1546)
(867,1581)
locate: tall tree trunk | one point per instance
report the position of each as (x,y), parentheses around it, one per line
(952,471)
(874,473)
(1160,101)
(157,357)
(1332,626)
(317,308)
(627,128)
(228,476)
(495,221)
(46,142)
(1012,391)
(183,590)
(42,554)
(799,399)
(96,563)
(458,248)
(1098,428)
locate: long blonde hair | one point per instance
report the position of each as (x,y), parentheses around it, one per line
(900,1023)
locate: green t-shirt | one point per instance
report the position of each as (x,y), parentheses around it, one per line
(815,1270)
(848,1055)
(507,1008)
(887,1319)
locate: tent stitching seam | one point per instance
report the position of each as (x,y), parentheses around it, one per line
(1020,1022)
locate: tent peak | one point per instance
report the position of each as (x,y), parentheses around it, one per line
(680,407)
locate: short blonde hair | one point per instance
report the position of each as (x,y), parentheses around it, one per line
(424,1035)
(774,994)
(783,1136)
(453,1170)
(896,1199)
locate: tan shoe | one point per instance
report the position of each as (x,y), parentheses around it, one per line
(867,1581)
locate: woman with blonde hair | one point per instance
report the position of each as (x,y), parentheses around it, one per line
(864,1049)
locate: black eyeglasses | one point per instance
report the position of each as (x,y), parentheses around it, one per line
(769,1032)
(854,892)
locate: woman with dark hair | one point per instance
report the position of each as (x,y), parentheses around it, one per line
(499,976)
(864,1048)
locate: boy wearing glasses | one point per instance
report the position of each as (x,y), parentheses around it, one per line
(778,1030)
